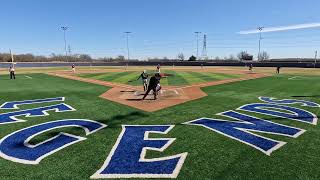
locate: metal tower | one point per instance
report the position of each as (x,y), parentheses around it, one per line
(197,35)
(204,48)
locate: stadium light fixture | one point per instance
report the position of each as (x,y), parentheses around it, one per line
(64,29)
(260,38)
(315,59)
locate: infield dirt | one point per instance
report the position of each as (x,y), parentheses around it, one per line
(168,96)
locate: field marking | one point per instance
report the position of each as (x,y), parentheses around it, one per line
(294,77)
(26,142)
(28,77)
(182,156)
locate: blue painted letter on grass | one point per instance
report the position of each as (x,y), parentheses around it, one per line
(281,111)
(14,104)
(127,157)
(243,130)
(16,147)
(10,117)
(289,101)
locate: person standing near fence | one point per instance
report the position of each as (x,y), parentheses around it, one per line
(158,69)
(278,69)
(11,71)
(73,67)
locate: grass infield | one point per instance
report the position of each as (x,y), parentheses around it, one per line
(176,78)
(210,155)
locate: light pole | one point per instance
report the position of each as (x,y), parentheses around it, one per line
(260,37)
(197,34)
(127,35)
(315,59)
(64,29)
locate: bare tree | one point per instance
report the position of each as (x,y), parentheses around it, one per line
(243,55)
(231,57)
(85,57)
(120,58)
(264,56)
(5,57)
(181,56)
(192,58)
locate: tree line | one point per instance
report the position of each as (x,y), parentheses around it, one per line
(6,57)
(243,56)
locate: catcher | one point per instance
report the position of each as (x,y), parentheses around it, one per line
(144,77)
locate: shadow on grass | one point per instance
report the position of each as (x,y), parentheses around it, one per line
(118,120)
(113,122)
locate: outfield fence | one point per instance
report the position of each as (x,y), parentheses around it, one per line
(164,63)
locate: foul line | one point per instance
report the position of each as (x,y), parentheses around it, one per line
(294,77)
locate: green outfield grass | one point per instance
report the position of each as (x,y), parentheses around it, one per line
(176,78)
(210,155)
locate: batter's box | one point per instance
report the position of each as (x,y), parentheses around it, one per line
(162,94)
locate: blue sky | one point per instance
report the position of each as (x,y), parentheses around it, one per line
(159,27)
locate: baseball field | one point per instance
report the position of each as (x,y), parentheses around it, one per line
(208,123)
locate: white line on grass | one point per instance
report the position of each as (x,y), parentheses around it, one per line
(292,78)
(28,77)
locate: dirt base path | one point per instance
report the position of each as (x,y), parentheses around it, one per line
(168,96)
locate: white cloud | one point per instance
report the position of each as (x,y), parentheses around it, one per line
(282,28)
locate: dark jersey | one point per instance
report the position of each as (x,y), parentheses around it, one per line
(153,82)
(144,75)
